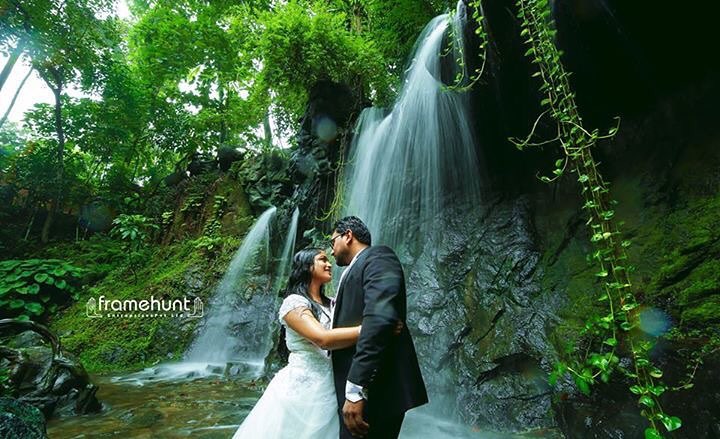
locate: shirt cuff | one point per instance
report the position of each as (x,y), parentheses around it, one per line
(354,393)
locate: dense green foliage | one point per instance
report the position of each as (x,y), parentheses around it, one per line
(35,288)
(176,79)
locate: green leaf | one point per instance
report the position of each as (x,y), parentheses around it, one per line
(9,265)
(636,389)
(61,284)
(643,362)
(647,401)
(656,373)
(582,385)
(672,423)
(35,308)
(16,303)
(629,306)
(657,390)
(33,289)
(651,433)
(40,277)
(611,342)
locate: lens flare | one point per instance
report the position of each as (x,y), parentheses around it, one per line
(654,321)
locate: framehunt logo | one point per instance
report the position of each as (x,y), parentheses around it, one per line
(144,308)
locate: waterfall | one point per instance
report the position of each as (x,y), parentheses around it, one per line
(408,168)
(285,261)
(217,343)
(237,331)
(407,165)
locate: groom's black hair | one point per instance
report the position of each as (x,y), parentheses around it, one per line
(359,229)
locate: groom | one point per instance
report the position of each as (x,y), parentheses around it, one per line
(378,379)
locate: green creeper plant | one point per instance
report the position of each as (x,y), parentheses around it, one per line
(464,80)
(608,334)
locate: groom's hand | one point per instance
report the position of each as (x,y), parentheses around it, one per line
(353,416)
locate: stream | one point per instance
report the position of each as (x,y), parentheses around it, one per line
(211,408)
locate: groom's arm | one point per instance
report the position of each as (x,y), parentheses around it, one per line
(382,284)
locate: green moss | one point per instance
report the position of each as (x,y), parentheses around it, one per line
(705,312)
(567,270)
(213,203)
(675,250)
(688,278)
(113,344)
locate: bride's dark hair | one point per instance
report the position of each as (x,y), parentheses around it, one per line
(301,275)
(299,282)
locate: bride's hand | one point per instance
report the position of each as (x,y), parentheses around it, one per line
(398,327)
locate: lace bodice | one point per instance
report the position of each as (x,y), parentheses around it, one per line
(297,344)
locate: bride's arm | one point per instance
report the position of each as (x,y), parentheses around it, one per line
(302,321)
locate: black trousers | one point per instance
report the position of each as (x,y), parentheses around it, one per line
(380,428)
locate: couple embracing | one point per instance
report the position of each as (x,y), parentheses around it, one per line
(352,369)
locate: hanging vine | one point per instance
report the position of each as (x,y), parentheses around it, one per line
(613,331)
(464,81)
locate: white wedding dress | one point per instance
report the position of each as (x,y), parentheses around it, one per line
(299,402)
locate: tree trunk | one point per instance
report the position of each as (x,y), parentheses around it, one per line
(222,106)
(14,56)
(30,224)
(267,130)
(12,103)
(56,202)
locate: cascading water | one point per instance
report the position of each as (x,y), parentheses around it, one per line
(235,329)
(407,165)
(218,343)
(285,261)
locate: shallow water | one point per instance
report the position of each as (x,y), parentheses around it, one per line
(209,407)
(200,408)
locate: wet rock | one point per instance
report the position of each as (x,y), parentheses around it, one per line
(227,156)
(44,376)
(480,317)
(21,420)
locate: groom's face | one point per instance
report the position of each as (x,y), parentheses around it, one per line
(339,248)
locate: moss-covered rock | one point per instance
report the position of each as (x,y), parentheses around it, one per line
(182,268)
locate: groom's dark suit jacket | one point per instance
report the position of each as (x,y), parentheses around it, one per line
(373,294)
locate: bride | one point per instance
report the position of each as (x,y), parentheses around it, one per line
(300,400)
